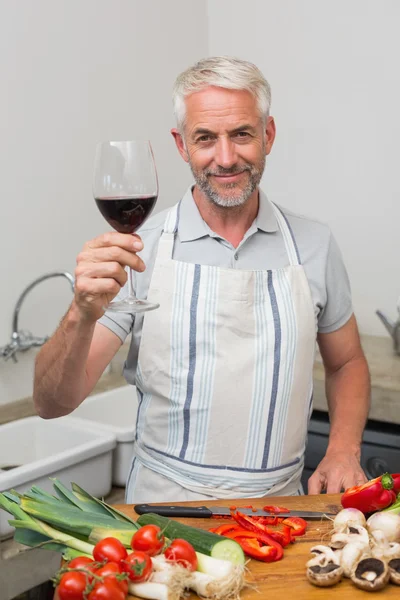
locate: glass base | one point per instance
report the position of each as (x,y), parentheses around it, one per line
(131,305)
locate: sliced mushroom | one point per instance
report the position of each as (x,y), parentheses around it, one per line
(370,574)
(352,554)
(394,570)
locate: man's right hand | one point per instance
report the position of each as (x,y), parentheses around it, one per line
(100,271)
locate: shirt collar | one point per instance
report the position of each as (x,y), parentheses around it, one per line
(191,225)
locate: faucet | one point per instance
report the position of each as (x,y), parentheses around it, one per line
(392,327)
(23,340)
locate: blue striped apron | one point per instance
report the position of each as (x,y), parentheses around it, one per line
(224,379)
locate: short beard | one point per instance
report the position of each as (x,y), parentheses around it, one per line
(232,199)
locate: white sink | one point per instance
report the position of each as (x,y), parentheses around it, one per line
(34,449)
(114,411)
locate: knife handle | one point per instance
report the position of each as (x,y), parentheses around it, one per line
(173,511)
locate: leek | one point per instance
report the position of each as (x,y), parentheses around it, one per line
(66,521)
(72,519)
(91,500)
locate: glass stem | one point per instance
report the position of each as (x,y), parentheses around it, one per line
(130,284)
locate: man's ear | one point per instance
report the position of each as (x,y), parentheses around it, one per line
(180,144)
(270,131)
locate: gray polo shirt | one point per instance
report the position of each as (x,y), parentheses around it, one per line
(261,248)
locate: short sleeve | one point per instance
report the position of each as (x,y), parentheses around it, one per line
(119,323)
(338,307)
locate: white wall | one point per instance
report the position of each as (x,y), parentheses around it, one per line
(334,70)
(73,73)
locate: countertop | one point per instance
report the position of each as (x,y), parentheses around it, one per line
(384,367)
(383,363)
(286,578)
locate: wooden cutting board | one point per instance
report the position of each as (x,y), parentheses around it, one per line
(286,578)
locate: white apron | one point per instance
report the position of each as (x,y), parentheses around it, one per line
(224,379)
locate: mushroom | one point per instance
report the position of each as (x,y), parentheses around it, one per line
(350,535)
(387,551)
(394,570)
(322,555)
(370,574)
(352,554)
(324,570)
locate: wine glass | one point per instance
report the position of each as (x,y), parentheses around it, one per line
(125,188)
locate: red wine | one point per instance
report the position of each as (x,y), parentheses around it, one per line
(126,214)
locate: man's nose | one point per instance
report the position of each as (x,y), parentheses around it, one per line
(225,153)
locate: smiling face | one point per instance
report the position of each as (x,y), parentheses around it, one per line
(225,141)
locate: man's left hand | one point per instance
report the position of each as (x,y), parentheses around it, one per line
(337,471)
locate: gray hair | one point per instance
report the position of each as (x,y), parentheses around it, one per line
(225,72)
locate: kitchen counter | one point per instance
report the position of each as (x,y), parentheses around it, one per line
(383,363)
(384,367)
(286,578)
(24,407)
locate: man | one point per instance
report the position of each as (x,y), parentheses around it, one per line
(223,369)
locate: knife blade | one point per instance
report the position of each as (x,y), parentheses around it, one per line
(216,511)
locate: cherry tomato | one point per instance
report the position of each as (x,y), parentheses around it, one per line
(71,586)
(109,571)
(183,553)
(83,562)
(109,549)
(138,565)
(107,590)
(149,539)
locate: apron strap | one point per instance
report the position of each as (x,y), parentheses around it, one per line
(288,237)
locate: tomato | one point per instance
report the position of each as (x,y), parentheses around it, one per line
(80,562)
(85,563)
(138,565)
(72,585)
(109,549)
(108,590)
(183,553)
(149,539)
(110,570)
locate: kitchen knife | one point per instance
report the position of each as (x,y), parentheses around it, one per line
(221,511)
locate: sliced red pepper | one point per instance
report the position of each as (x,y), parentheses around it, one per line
(282,537)
(263,534)
(222,529)
(297,525)
(253,548)
(267,520)
(374,495)
(248,522)
(276,509)
(244,533)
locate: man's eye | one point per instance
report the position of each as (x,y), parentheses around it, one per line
(204,138)
(242,134)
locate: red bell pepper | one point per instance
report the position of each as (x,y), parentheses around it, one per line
(297,525)
(374,495)
(396,482)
